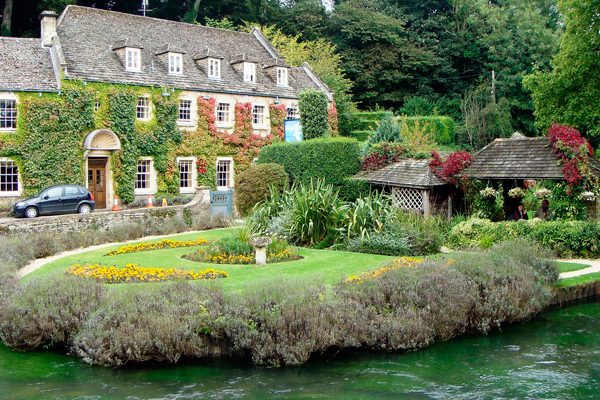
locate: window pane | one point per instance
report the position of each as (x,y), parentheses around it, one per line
(185,173)
(54,193)
(223,173)
(9,176)
(8,114)
(185,110)
(142,179)
(142,110)
(223,113)
(71,191)
(258,115)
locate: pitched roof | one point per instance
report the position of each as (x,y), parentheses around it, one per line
(88,37)
(406,173)
(519,158)
(25,66)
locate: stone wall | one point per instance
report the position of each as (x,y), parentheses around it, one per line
(573,294)
(105,220)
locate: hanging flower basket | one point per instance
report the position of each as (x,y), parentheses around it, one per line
(588,196)
(543,194)
(488,192)
(516,193)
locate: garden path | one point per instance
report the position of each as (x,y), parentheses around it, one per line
(594,267)
(40,262)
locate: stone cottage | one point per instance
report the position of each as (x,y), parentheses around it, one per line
(133,106)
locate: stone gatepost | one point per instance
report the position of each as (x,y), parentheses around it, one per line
(260,249)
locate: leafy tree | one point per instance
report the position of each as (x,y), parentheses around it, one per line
(570,93)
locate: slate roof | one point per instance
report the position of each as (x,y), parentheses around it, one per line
(519,158)
(25,66)
(88,37)
(406,173)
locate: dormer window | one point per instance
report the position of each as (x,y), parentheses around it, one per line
(249,72)
(214,68)
(282,76)
(133,59)
(175,63)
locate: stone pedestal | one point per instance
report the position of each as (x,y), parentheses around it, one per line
(260,249)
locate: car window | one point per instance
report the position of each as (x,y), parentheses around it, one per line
(82,191)
(71,191)
(54,193)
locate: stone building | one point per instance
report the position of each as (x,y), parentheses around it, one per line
(198,104)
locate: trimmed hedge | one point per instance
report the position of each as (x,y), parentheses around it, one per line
(314,115)
(351,189)
(566,238)
(252,185)
(443,127)
(361,136)
(328,159)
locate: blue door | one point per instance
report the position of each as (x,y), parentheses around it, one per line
(220,203)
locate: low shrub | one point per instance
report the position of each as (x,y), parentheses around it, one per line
(235,251)
(384,243)
(351,189)
(161,244)
(252,185)
(179,199)
(566,238)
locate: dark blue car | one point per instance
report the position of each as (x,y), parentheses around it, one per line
(60,199)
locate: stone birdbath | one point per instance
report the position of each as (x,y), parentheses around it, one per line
(260,249)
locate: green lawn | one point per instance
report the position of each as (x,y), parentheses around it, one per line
(564,266)
(579,280)
(323,265)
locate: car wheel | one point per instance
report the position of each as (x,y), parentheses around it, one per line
(31,212)
(85,209)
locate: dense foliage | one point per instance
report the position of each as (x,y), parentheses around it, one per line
(330,159)
(252,186)
(567,238)
(314,116)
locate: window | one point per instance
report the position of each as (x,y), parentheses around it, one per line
(9,177)
(175,63)
(214,68)
(71,191)
(142,178)
(8,114)
(142,110)
(185,110)
(222,113)
(54,193)
(132,59)
(224,169)
(258,115)
(185,174)
(282,76)
(249,72)
(292,113)
(96,105)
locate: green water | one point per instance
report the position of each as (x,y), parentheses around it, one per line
(557,356)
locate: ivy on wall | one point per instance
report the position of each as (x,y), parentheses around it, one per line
(47,145)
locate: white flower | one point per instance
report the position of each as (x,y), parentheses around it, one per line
(488,192)
(516,193)
(543,194)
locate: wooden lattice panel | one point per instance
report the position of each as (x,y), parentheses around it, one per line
(408,199)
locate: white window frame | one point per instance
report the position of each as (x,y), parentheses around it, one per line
(223,117)
(133,59)
(151,172)
(282,76)
(143,111)
(214,68)
(175,63)
(8,114)
(182,110)
(193,179)
(258,119)
(250,72)
(228,180)
(292,113)
(10,193)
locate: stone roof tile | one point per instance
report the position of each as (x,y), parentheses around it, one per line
(25,66)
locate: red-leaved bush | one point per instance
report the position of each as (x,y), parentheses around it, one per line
(571,148)
(449,168)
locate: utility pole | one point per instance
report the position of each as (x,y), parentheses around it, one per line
(494,86)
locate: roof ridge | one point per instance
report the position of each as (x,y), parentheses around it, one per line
(100,10)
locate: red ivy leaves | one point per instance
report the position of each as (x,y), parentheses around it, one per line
(447,169)
(381,155)
(571,148)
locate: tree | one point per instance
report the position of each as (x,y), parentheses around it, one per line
(6,27)
(313,114)
(569,94)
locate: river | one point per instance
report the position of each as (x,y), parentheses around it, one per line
(556,356)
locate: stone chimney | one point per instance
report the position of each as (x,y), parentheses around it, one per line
(48,27)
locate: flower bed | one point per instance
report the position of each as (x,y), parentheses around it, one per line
(235,251)
(132,273)
(163,244)
(403,262)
